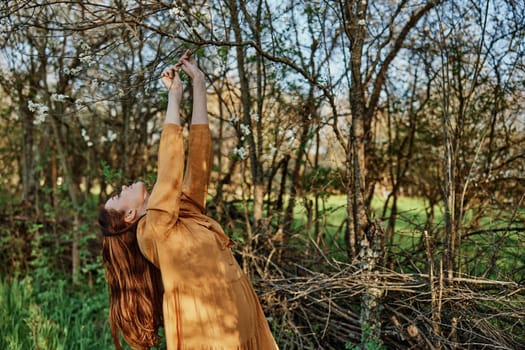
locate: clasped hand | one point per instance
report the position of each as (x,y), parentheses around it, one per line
(171,79)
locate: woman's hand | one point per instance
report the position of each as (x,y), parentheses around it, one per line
(188,65)
(200,111)
(171,80)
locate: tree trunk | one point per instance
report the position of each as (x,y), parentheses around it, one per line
(68,180)
(363,247)
(361,232)
(246,99)
(27,156)
(355,13)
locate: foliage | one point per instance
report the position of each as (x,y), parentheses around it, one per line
(370,343)
(44,312)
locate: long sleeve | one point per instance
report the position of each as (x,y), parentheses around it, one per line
(198,169)
(164,202)
(166,194)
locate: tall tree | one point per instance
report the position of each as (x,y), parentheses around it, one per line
(366,83)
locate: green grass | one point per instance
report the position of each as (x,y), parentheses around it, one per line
(411,216)
(40,316)
(498,253)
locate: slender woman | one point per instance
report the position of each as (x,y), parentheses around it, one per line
(169,264)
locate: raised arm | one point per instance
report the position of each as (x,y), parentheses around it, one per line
(171,80)
(166,195)
(200,110)
(198,167)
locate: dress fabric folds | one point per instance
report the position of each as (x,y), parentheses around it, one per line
(209,303)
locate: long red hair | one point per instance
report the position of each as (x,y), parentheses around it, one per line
(135,285)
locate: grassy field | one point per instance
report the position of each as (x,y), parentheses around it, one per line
(493,254)
(411,217)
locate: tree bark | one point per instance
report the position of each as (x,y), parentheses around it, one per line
(364,239)
(246,100)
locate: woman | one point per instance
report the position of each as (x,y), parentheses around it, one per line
(201,296)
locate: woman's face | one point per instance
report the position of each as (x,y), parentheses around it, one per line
(133,196)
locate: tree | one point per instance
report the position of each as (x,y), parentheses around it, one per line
(362,235)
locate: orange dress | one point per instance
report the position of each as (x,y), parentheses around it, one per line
(208,301)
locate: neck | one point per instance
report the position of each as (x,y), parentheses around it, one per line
(143,208)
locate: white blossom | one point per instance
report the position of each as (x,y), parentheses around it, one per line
(240,152)
(32,106)
(88,59)
(175,11)
(40,110)
(84,134)
(361,22)
(40,118)
(245,129)
(79,102)
(109,137)
(73,71)
(58,97)
(86,138)
(84,46)
(234,119)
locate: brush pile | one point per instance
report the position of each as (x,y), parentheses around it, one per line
(321,310)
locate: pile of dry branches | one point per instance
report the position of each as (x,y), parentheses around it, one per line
(321,310)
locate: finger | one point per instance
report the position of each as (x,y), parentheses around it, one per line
(183,57)
(166,74)
(190,56)
(186,68)
(176,78)
(188,60)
